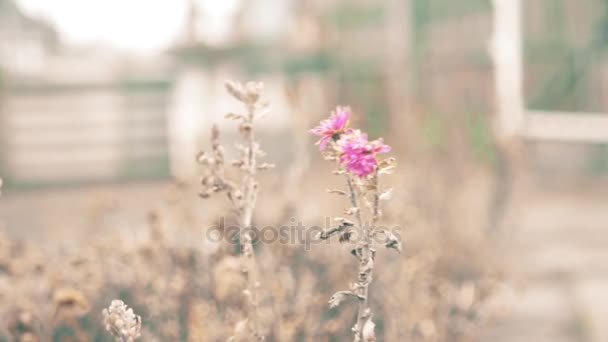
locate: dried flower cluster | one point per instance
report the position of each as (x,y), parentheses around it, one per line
(121,322)
(357,160)
(242,193)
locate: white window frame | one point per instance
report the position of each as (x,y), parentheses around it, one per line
(514,119)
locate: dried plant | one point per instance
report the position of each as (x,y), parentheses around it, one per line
(23,327)
(243,193)
(442,284)
(121,322)
(358,162)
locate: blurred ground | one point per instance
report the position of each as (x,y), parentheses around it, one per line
(558,241)
(555,232)
(28,215)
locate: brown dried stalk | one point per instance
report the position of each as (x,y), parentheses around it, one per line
(243,194)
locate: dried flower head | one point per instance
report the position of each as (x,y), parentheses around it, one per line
(248,93)
(121,322)
(70,302)
(332,128)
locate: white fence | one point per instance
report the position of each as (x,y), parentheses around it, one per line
(83,132)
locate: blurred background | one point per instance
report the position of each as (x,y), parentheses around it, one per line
(493,108)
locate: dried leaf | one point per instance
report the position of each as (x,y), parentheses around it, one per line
(336,299)
(352,211)
(337,192)
(387,170)
(236,89)
(202,158)
(392,241)
(266,166)
(345,236)
(245,128)
(367,268)
(344,221)
(260,153)
(387,162)
(386,195)
(252,91)
(233,116)
(368,334)
(386,166)
(326,234)
(340,296)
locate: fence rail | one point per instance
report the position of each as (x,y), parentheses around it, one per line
(65,133)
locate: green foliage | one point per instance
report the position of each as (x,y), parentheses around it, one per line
(307,63)
(598,163)
(348,15)
(561,69)
(480,137)
(433,130)
(444,9)
(63,333)
(602,27)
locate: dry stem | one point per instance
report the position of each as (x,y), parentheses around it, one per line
(243,196)
(250,187)
(366,254)
(362,190)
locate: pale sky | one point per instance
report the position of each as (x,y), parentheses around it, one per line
(144,26)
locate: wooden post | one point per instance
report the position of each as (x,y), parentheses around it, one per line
(190,98)
(506,52)
(397,29)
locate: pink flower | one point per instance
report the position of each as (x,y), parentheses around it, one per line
(332,128)
(359,155)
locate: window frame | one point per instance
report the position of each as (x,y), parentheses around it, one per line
(514,119)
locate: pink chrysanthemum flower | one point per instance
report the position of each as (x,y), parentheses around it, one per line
(332,128)
(359,155)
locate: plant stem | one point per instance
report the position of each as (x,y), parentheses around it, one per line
(250,188)
(364,276)
(376,211)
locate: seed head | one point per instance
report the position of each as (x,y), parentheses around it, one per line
(121,322)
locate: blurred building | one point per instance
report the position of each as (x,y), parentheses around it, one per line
(90,113)
(80,114)
(69,115)
(25,43)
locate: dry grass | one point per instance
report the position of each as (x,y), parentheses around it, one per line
(434,291)
(186,288)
